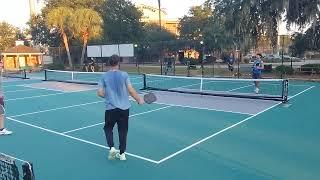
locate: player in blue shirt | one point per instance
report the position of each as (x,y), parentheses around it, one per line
(115,87)
(257,71)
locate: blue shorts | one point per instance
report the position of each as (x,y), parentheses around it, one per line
(256,75)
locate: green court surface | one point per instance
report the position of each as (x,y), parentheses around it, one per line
(61,133)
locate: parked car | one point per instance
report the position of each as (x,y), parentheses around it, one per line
(272,58)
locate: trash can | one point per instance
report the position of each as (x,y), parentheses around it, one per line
(267,68)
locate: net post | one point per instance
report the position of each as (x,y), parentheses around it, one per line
(285,90)
(174,67)
(238,63)
(213,68)
(45,75)
(188,68)
(24,74)
(144,81)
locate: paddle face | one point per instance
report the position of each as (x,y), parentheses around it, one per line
(150,98)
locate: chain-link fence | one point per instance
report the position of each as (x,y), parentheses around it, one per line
(202,58)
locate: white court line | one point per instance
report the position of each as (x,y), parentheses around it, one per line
(192,85)
(48,89)
(301,92)
(98,124)
(223,130)
(55,109)
(31,97)
(45,95)
(86,127)
(25,80)
(19,90)
(13,85)
(78,139)
(208,109)
(239,88)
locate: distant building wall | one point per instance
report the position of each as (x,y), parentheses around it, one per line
(151,15)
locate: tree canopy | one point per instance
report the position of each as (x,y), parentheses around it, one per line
(8,35)
(121,22)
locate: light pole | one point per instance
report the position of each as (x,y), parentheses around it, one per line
(203,57)
(282,59)
(136,56)
(160,29)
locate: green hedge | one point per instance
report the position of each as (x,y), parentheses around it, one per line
(284,70)
(309,68)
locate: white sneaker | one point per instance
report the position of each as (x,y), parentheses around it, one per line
(5,132)
(122,156)
(257,90)
(112,153)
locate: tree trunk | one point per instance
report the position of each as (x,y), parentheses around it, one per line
(66,44)
(85,42)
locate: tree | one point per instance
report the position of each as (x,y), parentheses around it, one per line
(308,41)
(58,19)
(312,37)
(8,35)
(121,22)
(74,4)
(41,34)
(86,25)
(192,25)
(298,46)
(301,12)
(153,34)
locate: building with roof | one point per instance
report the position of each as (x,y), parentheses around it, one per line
(21,57)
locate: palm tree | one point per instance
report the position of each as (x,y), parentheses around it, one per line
(59,19)
(86,25)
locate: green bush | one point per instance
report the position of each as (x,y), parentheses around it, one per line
(284,70)
(55,66)
(309,68)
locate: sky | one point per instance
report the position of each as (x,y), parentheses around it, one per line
(16,12)
(174,8)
